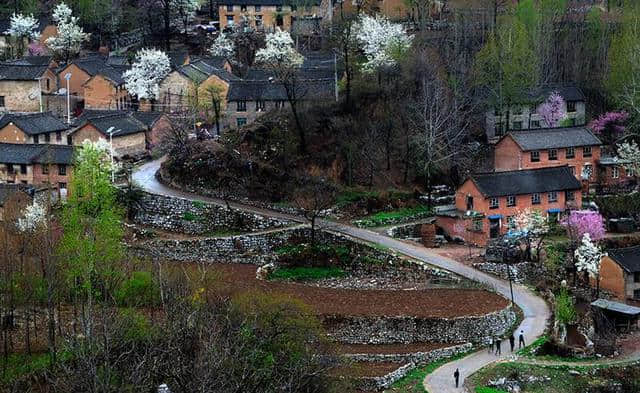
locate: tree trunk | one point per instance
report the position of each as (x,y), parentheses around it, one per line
(301,132)
(167,25)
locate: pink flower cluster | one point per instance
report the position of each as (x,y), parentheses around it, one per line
(579,222)
(610,122)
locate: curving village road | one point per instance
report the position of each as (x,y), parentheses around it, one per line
(535,310)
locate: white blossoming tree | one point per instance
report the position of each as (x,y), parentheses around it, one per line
(70,36)
(629,154)
(588,257)
(382,42)
(35,217)
(283,60)
(223,46)
(151,67)
(21,28)
(532,226)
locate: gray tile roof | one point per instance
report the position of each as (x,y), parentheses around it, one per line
(261,2)
(252,90)
(616,307)
(199,70)
(13,153)
(33,123)
(124,122)
(21,72)
(529,181)
(213,61)
(91,64)
(554,138)
(32,60)
(628,258)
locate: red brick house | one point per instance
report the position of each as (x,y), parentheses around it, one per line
(486,203)
(43,164)
(620,272)
(576,147)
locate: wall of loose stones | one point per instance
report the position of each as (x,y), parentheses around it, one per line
(198,218)
(407,329)
(520,272)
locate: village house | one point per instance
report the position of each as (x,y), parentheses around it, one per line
(32,128)
(106,90)
(576,147)
(36,164)
(620,272)
(614,174)
(22,86)
(248,99)
(524,116)
(134,133)
(267,15)
(177,92)
(487,203)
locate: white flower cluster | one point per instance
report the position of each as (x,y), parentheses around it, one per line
(588,256)
(279,50)
(23,26)
(35,216)
(151,67)
(381,41)
(70,35)
(223,46)
(629,153)
(531,222)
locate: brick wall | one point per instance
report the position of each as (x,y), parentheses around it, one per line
(53,177)
(612,277)
(158,131)
(101,93)
(20,96)
(129,144)
(268,13)
(78,78)
(12,134)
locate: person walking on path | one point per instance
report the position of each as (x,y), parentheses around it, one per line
(490,345)
(512,341)
(521,339)
(498,349)
(456,376)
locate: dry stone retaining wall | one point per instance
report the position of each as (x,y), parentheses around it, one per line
(418,358)
(520,272)
(199,218)
(407,329)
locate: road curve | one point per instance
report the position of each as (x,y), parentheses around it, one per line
(535,310)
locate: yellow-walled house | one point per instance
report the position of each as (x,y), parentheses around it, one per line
(270,14)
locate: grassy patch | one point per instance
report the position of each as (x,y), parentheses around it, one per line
(306,273)
(20,365)
(531,349)
(485,389)
(199,204)
(413,381)
(189,216)
(393,216)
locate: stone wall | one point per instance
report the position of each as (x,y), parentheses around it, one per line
(407,329)
(199,218)
(520,272)
(419,358)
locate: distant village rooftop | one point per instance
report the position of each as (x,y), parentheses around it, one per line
(554,138)
(529,181)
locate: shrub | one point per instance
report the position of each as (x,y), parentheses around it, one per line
(139,290)
(484,389)
(189,216)
(565,309)
(306,273)
(306,255)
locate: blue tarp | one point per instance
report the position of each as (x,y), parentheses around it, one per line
(555,210)
(495,216)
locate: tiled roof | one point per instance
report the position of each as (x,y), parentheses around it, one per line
(7,190)
(554,138)
(260,2)
(200,70)
(32,60)
(618,307)
(177,57)
(21,72)
(33,123)
(568,93)
(529,181)
(213,61)
(257,73)
(251,90)
(92,64)
(148,118)
(628,258)
(12,153)
(124,123)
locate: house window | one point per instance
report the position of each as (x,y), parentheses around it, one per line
(615,172)
(630,171)
(553,154)
(499,129)
(45,169)
(469,202)
(36,139)
(10,169)
(241,121)
(243,8)
(47,138)
(259,106)
(258,20)
(494,203)
(1,101)
(636,277)
(230,20)
(517,125)
(258,8)
(511,200)
(476,224)
(586,151)
(571,106)
(535,199)
(535,123)
(62,186)
(535,156)
(553,196)
(571,152)
(23,182)
(241,106)
(279,104)
(23,169)
(62,170)
(587,171)
(58,136)
(511,222)
(636,294)
(569,196)
(229,8)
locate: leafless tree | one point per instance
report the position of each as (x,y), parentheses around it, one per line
(314,200)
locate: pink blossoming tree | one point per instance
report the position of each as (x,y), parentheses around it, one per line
(610,126)
(552,110)
(581,222)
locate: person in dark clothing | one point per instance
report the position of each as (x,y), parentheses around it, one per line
(512,342)
(456,376)
(498,349)
(521,339)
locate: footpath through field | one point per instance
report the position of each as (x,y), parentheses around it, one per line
(535,310)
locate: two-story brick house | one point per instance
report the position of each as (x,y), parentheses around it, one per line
(576,147)
(22,86)
(106,89)
(486,203)
(524,116)
(32,128)
(620,272)
(44,164)
(268,15)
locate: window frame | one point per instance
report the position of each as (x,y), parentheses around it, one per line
(535,156)
(229,8)
(568,155)
(569,196)
(536,199)
(260,105)
(241,106)
(511,200)
(552,154)
(2,102)
(552,196)
(535,123)
(587,152)
(615,172)
(241,121)
(517,125)
(572,106)
(62,170)
(494,203)
(23,169)
(45,169)
(258,8)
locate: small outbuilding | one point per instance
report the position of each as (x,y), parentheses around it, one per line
(623,316)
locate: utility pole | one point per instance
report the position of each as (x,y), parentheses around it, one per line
(67,76)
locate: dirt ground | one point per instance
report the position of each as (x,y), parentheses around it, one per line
(459,252)
(444,303)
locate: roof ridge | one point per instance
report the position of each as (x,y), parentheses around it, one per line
(521,170)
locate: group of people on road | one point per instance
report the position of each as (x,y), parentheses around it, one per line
(495,344)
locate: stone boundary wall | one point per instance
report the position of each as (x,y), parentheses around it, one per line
(520,272)
(385,381)
(408,329)
(366,223)
(181,215)
(419,358)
